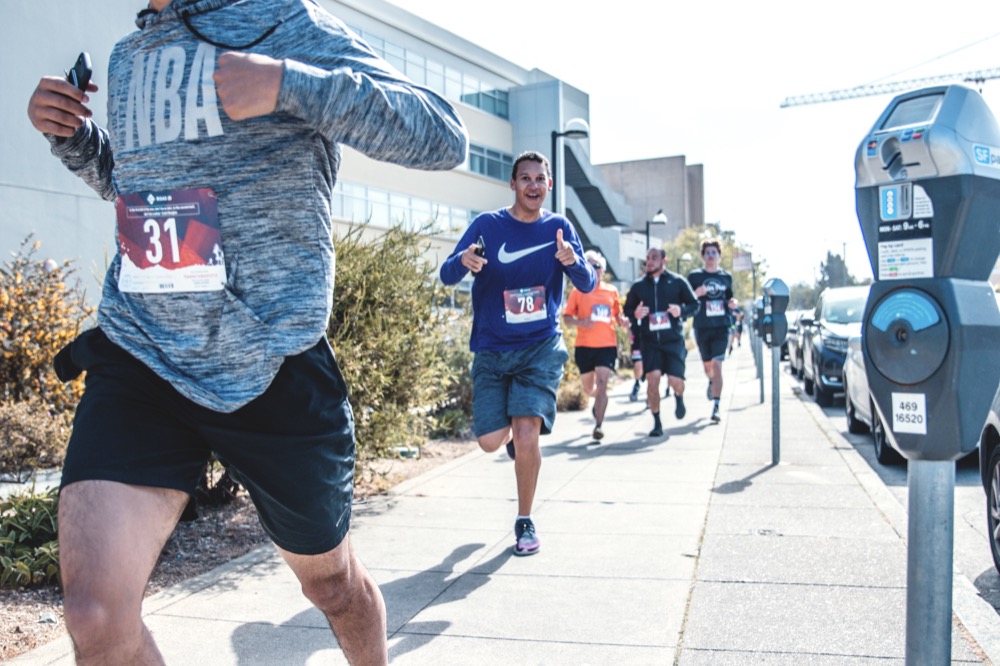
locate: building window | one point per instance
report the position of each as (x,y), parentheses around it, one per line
(490,163)
(449,82)
(359,204)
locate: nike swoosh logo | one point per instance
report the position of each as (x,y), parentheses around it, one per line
(506,257)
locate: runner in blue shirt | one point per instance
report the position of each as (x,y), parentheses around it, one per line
(519,256)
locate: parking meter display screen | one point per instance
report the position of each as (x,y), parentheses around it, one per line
(919,110)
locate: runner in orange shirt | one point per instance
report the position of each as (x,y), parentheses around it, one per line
(595,315)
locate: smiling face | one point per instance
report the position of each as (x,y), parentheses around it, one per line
(530,184)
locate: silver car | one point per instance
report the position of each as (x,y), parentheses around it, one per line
(861,414)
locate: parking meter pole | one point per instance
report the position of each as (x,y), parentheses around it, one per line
(931,536)
(775,405)
(760,368)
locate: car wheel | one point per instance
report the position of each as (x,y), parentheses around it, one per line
(884,453)
(993,506)
(854,424)
(824,396)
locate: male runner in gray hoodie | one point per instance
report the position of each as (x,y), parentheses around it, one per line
(221,155)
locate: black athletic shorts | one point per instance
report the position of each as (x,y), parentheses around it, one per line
(292,448)
(667,358)
(712,342)
(588,358)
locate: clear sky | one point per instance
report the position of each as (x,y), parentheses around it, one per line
(706,79)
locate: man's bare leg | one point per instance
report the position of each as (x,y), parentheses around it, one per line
(528,462)
(602,374)
(110,536)
(587,382)
(653,391)
(339,585)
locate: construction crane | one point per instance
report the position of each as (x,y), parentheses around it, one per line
(979,77)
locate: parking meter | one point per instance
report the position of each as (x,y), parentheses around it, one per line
(758,316)
(774,324)
(928,201)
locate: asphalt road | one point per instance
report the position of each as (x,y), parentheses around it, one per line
(971,550)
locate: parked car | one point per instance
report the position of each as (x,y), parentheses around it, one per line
(861,413)
(794,341)
(838,315)
(989,471)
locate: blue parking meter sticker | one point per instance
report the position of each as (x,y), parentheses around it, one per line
(986,155)
(895,202)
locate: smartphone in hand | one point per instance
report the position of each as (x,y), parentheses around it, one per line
(480,250)
(80,75)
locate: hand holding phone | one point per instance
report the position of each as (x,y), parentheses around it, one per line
(480,251)
(80,75)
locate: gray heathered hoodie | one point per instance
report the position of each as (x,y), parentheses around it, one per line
(273,177)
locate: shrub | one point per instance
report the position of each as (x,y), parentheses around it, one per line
(30,438)
(29,550)
(385,331)
(40,312)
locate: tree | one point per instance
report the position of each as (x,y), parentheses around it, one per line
(802,296)
(833,273)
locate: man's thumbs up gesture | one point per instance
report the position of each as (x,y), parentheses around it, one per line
(564,251)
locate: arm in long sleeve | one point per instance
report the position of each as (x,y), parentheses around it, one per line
(631,303)
(452,269)
(689,302)
(384,117)
(581,273)
(88,154)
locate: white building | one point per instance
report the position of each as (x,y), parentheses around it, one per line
(507,109)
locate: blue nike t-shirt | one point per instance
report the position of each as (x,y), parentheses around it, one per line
(517,296)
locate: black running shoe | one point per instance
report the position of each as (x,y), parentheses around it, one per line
(598,433)
(657,431)
(510,449)
(715,414)
(680,410)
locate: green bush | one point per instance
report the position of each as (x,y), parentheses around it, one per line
(30,438)
(385,330)
(40,312)
(29,550)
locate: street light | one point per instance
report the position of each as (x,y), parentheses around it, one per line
(659,218)
(686,257)
(576,128)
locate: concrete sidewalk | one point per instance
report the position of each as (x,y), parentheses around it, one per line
(688,549)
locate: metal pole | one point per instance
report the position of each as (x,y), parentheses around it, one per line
(929,560)
(775,405)
(555,188)
(760,369)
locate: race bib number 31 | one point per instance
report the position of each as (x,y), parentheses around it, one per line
(524,305)
(170,242)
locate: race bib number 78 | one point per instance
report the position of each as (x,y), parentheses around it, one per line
(524,305)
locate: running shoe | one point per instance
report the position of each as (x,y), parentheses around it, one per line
(598,433)
(680,410)
(634,395)
(510,449)
(715,414)
(527,540)
(657,430)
